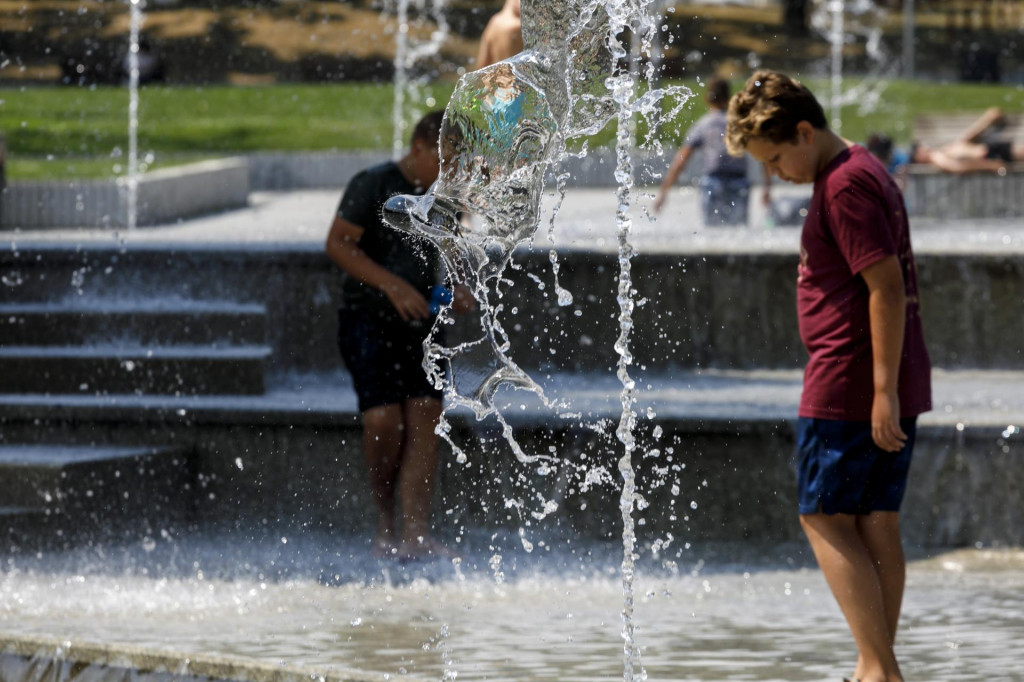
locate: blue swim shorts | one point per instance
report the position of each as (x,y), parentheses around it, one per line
(842,471)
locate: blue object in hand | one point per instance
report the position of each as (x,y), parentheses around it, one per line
(439,296)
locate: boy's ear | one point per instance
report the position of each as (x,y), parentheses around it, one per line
(805,132)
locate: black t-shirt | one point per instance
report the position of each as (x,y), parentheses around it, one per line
(413,259)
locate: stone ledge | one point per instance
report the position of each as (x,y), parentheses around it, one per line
(932,193)
(286,455)
(983,403)
(124,661)
(276,171)
(164,196)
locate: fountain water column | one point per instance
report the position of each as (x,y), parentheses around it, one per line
(908,39)
(837,39)
(406,56)
(401,78)
(621,86)
(132,187)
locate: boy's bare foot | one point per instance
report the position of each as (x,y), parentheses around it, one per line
(423,548)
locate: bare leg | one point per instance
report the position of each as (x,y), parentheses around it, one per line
(383,435)
(850,571)
(880,532)
(416,476)
(988,119)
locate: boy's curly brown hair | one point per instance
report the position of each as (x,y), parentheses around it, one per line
(770,106)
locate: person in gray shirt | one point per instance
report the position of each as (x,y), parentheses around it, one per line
(724,185)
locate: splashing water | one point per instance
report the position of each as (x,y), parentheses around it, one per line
(846,22)
(132,182)
(504,127)
(409,53)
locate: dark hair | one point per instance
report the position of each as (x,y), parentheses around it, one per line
(770,106)
(717,92)
(428,128)
(880,145)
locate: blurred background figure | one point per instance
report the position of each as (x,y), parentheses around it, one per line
(151,65)
(502,37)
(724,185)
(977,149)
(895,160)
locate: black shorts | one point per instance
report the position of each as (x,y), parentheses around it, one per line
(384,358)
(1001,151)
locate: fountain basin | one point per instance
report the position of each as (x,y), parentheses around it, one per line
(253,608)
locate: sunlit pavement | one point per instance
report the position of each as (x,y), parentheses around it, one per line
(586,220)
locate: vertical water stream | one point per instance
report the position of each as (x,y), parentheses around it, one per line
(408,53)
(132,182)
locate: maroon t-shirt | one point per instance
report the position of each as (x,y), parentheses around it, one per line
(855,219)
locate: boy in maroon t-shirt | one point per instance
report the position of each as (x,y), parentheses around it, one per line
(868,375)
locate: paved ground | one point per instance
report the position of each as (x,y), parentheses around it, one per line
(586,220)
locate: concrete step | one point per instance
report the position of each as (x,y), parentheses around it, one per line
(107,368)
(294,454)
(133,323)
(65,491)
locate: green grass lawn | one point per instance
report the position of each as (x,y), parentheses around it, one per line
(60,132)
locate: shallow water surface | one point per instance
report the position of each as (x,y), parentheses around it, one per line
(751,616)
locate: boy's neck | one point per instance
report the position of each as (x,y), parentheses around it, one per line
(829,146)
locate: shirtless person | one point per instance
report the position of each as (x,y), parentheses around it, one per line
(972,152)
(502,37)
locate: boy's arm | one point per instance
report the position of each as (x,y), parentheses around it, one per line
(678,164)
(343,249)
(887,309)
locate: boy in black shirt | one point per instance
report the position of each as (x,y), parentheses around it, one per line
(384,318)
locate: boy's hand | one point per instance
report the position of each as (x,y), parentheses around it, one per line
(462,299)
(410,303)
(885,423)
